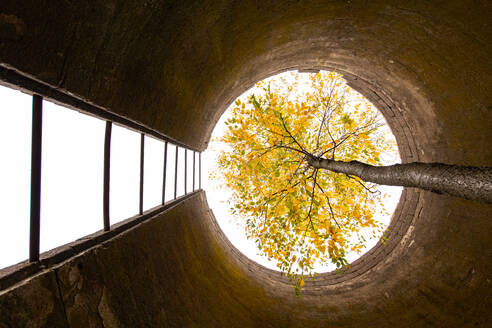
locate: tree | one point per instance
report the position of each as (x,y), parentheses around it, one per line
(301,204)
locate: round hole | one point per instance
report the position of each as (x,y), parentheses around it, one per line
(219,198)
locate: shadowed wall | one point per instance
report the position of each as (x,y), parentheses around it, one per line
(175,66)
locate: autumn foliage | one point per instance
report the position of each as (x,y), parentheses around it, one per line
(300,216)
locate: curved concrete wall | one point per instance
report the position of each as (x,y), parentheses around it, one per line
(175,67)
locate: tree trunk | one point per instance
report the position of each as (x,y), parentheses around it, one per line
(468,182)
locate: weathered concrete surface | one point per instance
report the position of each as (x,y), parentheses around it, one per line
(190,59)
(179,270)
(175,66)
(33,303)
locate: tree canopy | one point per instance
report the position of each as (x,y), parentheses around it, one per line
(298,214)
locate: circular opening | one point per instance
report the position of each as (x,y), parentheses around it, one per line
(351,117)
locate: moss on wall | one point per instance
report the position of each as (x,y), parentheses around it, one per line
(174,66)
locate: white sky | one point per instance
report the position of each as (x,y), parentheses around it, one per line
(234,227)
(72,175)
(72,179)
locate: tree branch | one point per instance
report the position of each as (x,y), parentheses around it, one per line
(467,182)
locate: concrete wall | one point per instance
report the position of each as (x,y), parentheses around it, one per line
(176,66)
(179,270)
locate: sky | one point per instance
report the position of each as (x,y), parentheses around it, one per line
(72,175)
(72,179)
(218,197)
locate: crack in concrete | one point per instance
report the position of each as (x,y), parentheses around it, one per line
(66,55)
(105,40)
(60,295)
